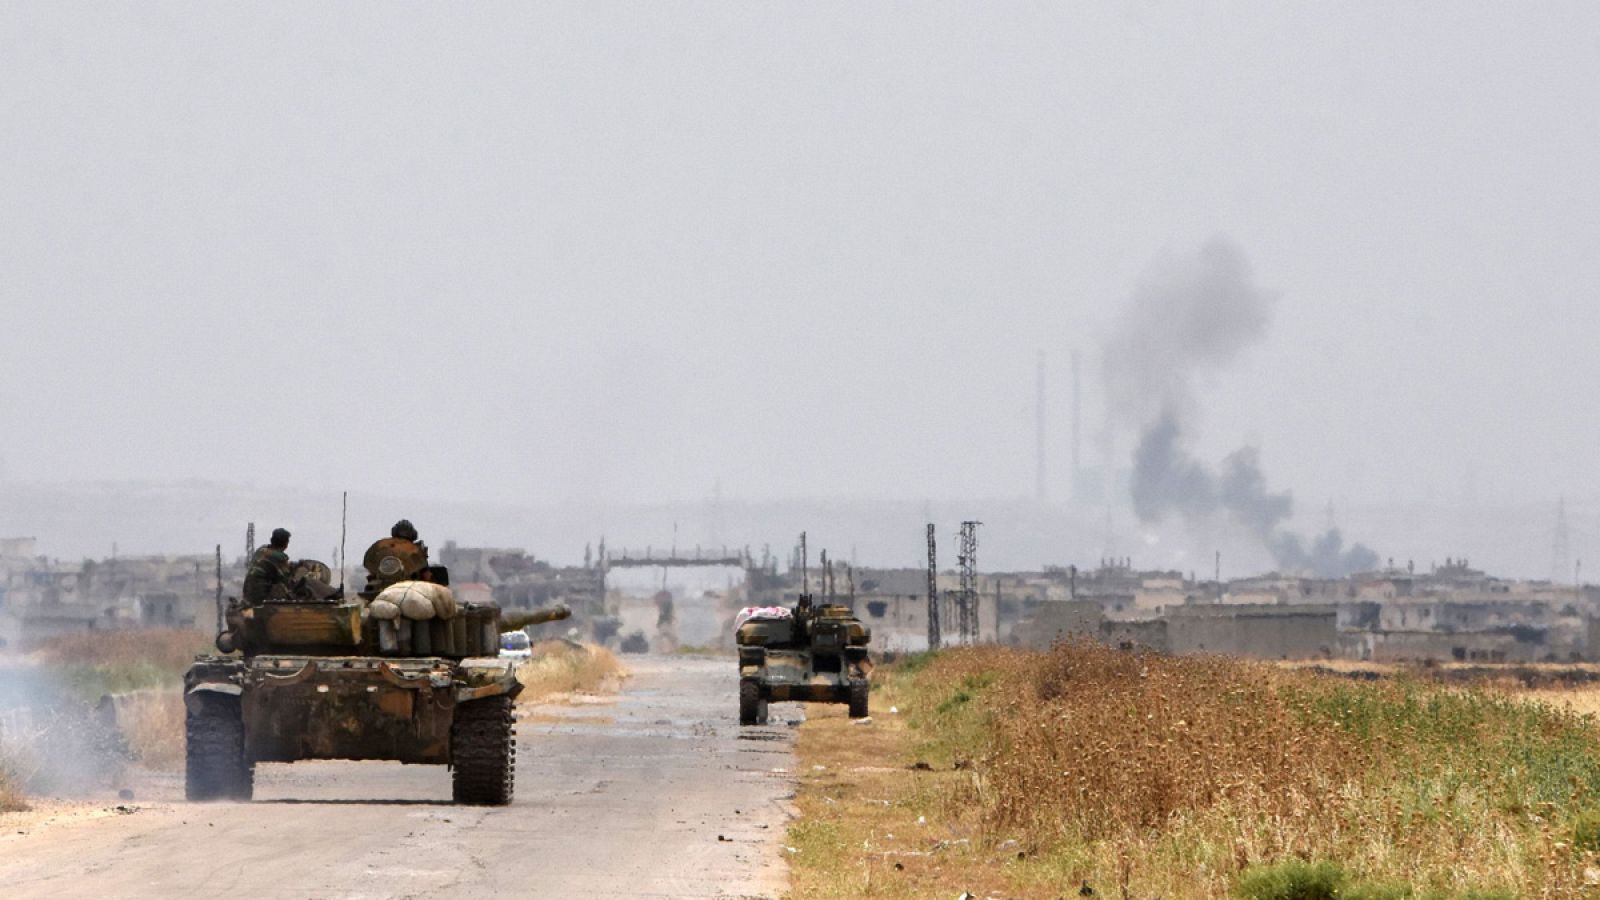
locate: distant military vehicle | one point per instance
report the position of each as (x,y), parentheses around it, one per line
(814,654)
(399,672)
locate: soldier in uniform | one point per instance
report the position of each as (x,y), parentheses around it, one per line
(270,572)
(405,531)
(400,557)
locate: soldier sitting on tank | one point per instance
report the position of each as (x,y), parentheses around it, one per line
(270,575)
(399,557)
(406,531)
(801,624)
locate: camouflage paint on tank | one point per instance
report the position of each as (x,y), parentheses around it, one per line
(814,657)
(357,707)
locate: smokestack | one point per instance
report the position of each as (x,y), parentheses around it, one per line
(1039,492)
(1077,418)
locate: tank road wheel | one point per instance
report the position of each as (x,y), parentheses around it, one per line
(483,751)
(214,763)
(750,702)
(858,699)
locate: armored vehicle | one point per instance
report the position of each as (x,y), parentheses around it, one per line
(398,672)
(814,654)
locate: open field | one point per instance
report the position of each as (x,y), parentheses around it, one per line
(94,664)
(1038,774)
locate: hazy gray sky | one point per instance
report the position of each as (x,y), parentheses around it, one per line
(519,252)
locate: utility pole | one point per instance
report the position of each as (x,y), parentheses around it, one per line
(997,607)
(933,593)
(805,577)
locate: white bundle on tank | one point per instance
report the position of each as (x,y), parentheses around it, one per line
(418,600)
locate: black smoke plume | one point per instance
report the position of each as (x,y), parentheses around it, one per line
(1188,317)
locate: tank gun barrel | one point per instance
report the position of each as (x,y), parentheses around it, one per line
(511,621)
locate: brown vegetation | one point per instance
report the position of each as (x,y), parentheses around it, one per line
(96,663)
(11,799)
(1035,773)
(152,725)
(563,668)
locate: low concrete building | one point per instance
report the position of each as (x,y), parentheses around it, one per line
(1262,631)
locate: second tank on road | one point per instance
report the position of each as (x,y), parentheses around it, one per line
(815,654)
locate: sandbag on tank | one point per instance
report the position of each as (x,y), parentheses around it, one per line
(420,600)
(444,602)
(383,609)
(413,598)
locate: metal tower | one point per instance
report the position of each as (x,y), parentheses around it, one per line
(967,600)
(933,592)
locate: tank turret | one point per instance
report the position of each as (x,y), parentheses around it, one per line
(379,628)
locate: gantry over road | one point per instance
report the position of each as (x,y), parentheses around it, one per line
(673,558)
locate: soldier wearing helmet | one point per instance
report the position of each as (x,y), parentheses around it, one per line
(405,531)
(270,572)
(401,556)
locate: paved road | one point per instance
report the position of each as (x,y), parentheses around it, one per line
(657,794)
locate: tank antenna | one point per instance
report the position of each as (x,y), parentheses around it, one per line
(344,516)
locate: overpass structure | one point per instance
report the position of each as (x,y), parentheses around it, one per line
(651,557)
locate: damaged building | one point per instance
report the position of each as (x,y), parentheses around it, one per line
(1450,613)
(42,597)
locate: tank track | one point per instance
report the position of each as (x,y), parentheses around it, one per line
(749,702)
(858,699)
(483,750)
(214,763)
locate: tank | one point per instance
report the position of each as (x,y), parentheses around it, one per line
(322,676)
(812,654)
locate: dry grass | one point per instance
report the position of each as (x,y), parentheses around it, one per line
(1583,701)
(870,825)
(152,724)
(704,650)
(564,668)
(1173,777)
(93,664)
(11,799)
